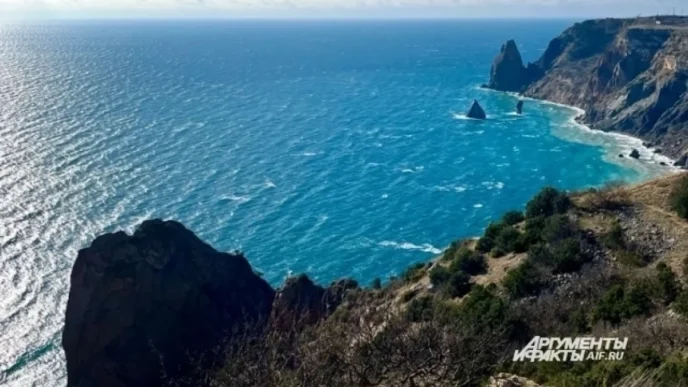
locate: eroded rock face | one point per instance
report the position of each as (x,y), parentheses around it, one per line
(142,308)
(629,75)
(508,72)
(301,302)
(476,112)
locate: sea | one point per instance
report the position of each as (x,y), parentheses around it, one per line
(334,148)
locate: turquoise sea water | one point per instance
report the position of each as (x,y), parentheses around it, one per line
(332,148)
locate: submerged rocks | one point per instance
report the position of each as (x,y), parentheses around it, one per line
(634,154)
(476,111)
(519,107)
(158,302)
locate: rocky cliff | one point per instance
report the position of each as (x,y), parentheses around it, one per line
(150,307)
(629,75)
(157,307)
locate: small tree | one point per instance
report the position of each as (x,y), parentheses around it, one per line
(513,217)
(668,284)
(548,202)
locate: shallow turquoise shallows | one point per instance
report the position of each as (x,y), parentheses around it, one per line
(332,148)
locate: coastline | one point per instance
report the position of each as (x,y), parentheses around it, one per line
(647,166)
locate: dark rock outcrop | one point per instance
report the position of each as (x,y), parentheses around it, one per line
(301,302)
(476,112)
(148,308)
(682,161)
(634,154)
(629,75)
(519,107)
(508,72)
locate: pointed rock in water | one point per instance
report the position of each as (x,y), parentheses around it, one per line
(519,107)
(635,154)
(476,111)
(508,72)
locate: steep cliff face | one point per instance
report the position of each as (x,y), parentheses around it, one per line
(152,307)
(629,75)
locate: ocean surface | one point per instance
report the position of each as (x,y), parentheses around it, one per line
(332,148)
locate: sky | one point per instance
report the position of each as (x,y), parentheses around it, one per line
(337,8)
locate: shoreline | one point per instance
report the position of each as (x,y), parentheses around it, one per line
(647,156)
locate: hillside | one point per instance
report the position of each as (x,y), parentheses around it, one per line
(604,263)
(629,75)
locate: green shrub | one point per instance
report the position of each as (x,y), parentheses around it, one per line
(487,242)
(421,309)
(681,304)
(557,228)
(470,262)
(449,253)
(497,252)
(668,284)
(513,217)
(483,308)
(408,295)
(568,257)
(522,244)
(679,198)
(439,275)
(614,239)
(609,307)
(533,229)
(459,284)
(507,239)
(618,304)
(541,255)
(523,281)
(548,202)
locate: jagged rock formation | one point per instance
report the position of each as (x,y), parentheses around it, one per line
(476,111)
(145,308)
(508,72)
(519,107)
(634,154)
(629,75)
(301,302)
(157,306)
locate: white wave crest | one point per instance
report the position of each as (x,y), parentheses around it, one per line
(425,247)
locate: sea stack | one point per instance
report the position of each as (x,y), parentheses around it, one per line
(635,154)
(519,107)
(508,72)
(476,111)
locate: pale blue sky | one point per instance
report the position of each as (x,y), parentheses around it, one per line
(339,8)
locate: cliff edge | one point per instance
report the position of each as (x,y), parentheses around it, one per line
(629,75)
(148,308)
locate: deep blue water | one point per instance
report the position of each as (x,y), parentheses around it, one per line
(332,148)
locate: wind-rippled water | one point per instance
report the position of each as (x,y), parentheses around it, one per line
(333,148)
